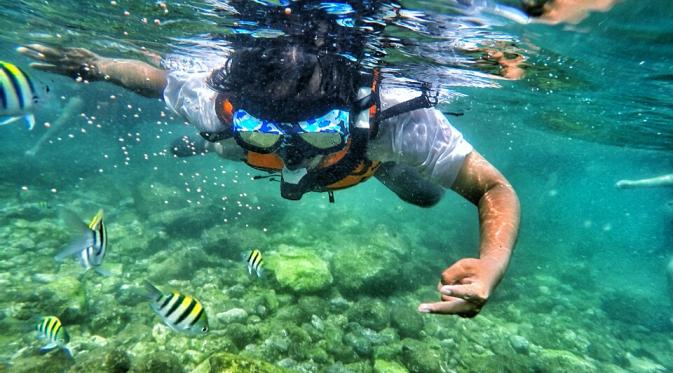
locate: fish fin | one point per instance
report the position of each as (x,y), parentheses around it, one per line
(249,269)
(49,347)
(8,119)
(71,219)
(96,220)
(102,271)
(152,291)
(259,271)
(173,328)
(74,247)
(30,121)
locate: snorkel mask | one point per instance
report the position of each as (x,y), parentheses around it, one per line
(335,134)
(312,154)
(325,134)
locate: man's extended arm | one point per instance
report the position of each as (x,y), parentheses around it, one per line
(663,180)
(80,63)
(467,284)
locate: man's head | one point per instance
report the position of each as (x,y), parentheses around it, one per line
(288,88)
(286,82)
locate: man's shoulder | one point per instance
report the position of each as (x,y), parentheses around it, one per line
(185,76)
(395,95)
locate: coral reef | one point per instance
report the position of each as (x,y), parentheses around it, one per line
(332,303)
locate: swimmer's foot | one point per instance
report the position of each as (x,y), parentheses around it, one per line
(187,146)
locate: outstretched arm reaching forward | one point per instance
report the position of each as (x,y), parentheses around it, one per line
(663,180)
(80,63)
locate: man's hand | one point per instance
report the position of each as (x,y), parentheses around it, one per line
(72,62)
(624,184)
(465,287)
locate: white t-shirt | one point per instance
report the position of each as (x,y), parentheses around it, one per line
(422,138)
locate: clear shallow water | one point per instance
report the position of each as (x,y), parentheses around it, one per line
(586,287)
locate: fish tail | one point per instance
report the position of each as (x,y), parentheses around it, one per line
(30,121)
(68,352)
(152,291)
(102,271)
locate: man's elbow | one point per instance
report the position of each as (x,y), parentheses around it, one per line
(503,197)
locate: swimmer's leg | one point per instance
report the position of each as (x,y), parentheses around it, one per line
(409,185)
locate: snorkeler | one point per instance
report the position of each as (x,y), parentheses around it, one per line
(315,117)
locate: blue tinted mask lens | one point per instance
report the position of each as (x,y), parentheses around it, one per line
(327,131)
(260,140)
(256,132)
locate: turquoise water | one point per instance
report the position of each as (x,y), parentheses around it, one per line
(586,289)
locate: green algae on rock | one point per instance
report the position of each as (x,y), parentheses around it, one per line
(365,269)
(160,361)
(299,270)
(422,357)
(230,363)
(370,312)
(384,366)
(564,362)
(407,321)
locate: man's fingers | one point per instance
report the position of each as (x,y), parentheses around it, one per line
(454,307)
(467,292)
(48,52)
(47,67)
(81,52)
(31,53)
(459,271)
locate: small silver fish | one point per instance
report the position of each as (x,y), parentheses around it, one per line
(91,247)
(18,97)
(255,262)
(180,312)
(51,329)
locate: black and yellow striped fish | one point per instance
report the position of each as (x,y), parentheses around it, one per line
(255,262)
(51,329)
(18,96)
(91,247)
(180,312)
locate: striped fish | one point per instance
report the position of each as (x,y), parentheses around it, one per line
(18,96)
(180,312)
(91,247)
(50,329)
(255,262)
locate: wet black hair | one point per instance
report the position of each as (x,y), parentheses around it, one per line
(287,81)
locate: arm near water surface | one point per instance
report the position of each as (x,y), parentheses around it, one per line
(658,181)
(134,75)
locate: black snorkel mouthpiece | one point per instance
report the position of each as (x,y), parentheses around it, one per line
(294,183)
(292,192)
